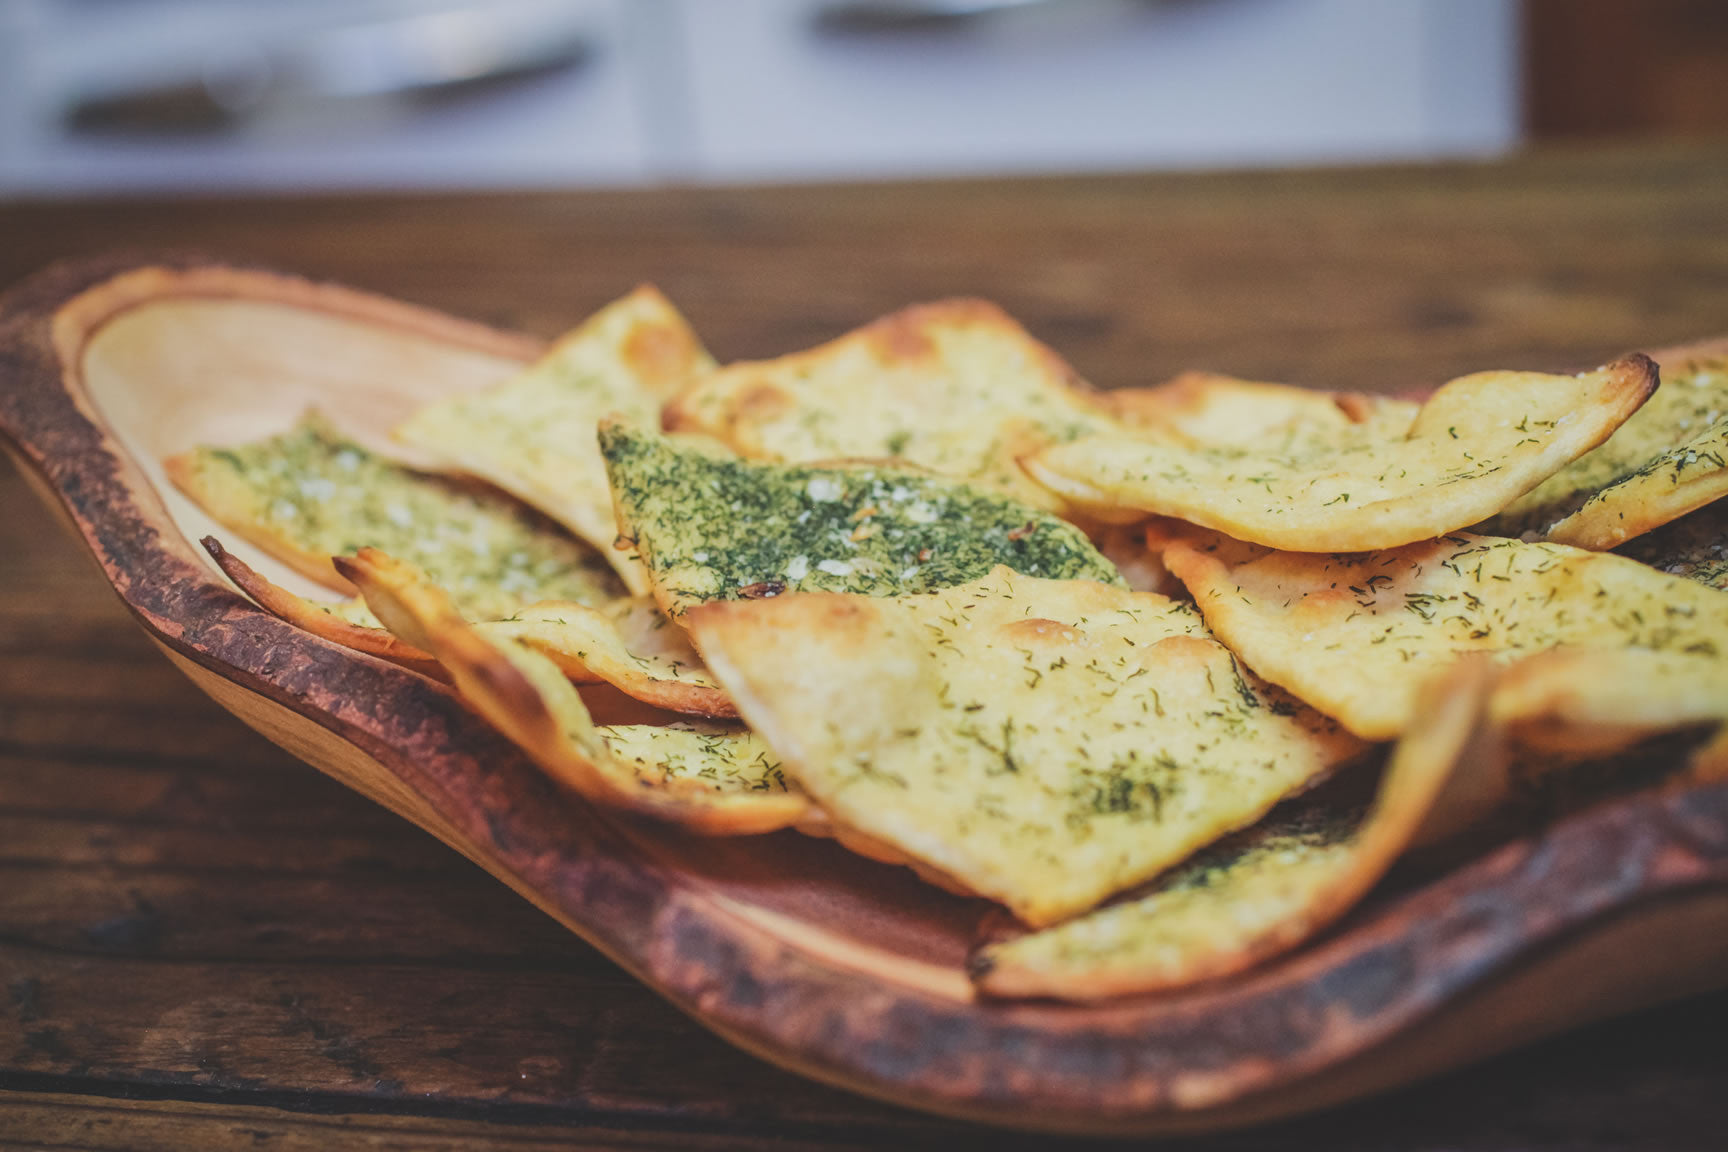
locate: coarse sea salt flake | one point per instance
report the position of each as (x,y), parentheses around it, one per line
(825,488)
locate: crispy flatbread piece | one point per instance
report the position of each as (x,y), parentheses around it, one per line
(1694,546)
(719,527)
(1477,444)
(1043,742)
(1355,634)
(1662,463)
(1261,892)
(309,494)
(347,623)
(955,386)
(533,435)
(713,779)
(628,643)
(1679,481)
(1208,409)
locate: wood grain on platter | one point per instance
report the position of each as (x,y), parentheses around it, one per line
(837,968)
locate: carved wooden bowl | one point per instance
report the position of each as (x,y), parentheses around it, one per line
(819,961)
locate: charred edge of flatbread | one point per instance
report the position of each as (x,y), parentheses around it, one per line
(310,617)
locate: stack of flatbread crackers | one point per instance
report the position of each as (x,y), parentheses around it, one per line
(1172,674)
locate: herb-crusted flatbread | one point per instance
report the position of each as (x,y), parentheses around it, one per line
(1673,484)
(1043,742)
(955,386)
(309,494)
(716,527)
(1259,893)
(1694,546)
(718,780)
(1477,444)
(627,642)
(1663,462)
(1355,634)
(533,435)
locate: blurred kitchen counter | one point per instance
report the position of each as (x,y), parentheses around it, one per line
(155,855)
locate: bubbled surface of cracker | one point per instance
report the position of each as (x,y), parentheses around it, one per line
(310,494)
(720,781)
(1672,442)
(955,386)
(1355,634)
(1477,444)
(1043,742)
(1261,892)
(718,527)
(534,435)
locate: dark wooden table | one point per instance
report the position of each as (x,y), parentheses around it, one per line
(205,944)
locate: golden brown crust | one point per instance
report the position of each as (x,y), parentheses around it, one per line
(319,621)
(1220,917)
(526,697)
(1479,443)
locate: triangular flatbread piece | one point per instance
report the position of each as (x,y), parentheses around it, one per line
(955,386)
(1665,461)
(533,435)
(718,527)
(1477,444)
(1356,634)
(1265,890)
(310,494)
(721,780)
(1043,742)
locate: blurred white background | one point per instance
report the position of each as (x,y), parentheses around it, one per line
(111,95)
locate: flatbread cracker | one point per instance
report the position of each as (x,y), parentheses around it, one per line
(1354,635)
(348,623)
(1262,892)
(1477,444)
(712,779)
(1694,546)
(1677,482)
(717,527)
(310,494)
(1209,409)
(533,435)
(1044,742)
(628,643)
(955,386)
(1662,463)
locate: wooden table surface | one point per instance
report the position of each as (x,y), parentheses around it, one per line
(206,944)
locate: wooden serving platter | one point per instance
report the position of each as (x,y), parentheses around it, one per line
(819,961)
